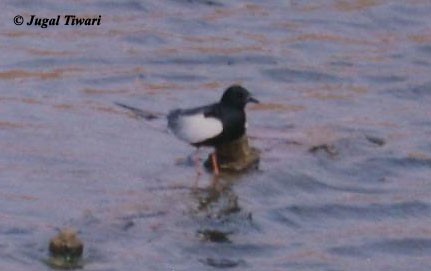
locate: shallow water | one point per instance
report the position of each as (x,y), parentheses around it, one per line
(343,127)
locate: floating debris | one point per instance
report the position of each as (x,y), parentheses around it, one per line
(66,250)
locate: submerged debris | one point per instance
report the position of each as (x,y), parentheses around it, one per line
(327,148)
(376,140)
(215,236)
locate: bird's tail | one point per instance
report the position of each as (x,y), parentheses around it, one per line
(140,113)
(146,115)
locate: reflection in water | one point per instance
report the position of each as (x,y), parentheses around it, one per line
(218,199)
(220,218)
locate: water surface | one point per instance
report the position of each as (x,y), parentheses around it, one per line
(344,128)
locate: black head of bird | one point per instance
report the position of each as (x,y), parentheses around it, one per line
(237,96)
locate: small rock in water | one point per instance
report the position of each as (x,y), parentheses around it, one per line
(235,156)
(66,250)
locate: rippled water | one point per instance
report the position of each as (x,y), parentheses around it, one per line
(344,128)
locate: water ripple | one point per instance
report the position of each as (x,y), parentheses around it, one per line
(413,92)
(370,212)
(217,60)
(288,75)
(405,162)
(129,5)
(407,246)
(200,2)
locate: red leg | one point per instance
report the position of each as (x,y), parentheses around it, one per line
(214,161)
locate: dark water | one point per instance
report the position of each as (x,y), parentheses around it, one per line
(344,130)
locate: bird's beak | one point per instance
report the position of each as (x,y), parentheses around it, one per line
(252,100)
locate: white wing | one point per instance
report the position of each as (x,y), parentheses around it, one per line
(196,128)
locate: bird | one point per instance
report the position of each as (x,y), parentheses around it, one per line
(215,124)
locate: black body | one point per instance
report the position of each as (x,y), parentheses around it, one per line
(230,111)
